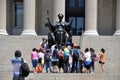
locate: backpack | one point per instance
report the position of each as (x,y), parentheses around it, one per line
(42,48)
(47,58)
(60,55)
(39,69)
(24,69)
(93,56)
(55,54)
(75,55)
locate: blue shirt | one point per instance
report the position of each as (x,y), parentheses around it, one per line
(16,65)
(77,50)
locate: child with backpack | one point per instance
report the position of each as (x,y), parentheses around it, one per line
(75,59)
(61,59)
(55,60)
(93,58)
(47,59)
(17,62)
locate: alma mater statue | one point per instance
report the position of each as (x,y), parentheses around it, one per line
(60,32)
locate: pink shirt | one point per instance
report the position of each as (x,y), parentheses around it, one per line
(34,55)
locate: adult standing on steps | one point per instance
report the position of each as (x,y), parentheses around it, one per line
(16,61)
(102,59)
(55,60)
(44,45)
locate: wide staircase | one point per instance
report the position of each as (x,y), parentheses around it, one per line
(9,44)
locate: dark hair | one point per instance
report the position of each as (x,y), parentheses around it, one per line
(86,50)
(47,51)
(37,50)
(17,53)
(55,47)
(103,50)
(78,47)
(34,49)
(91,49)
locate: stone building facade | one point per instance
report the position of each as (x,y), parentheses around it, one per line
(28,17)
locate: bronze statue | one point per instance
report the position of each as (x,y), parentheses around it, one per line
(60,32)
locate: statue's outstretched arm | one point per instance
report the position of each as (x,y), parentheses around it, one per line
(50,25)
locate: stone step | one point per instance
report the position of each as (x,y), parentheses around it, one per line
(64,76)
(73,76)
(8,45)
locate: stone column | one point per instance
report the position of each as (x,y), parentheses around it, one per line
(91,17)
(117,32)
(29,17)
(58,7)
(3,21)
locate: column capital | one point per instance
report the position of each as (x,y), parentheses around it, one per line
(91,33)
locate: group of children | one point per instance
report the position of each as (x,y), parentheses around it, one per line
(67,58)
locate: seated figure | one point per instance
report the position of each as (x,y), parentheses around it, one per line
(60,33)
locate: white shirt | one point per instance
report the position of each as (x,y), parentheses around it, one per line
(88,56)
(40,55)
